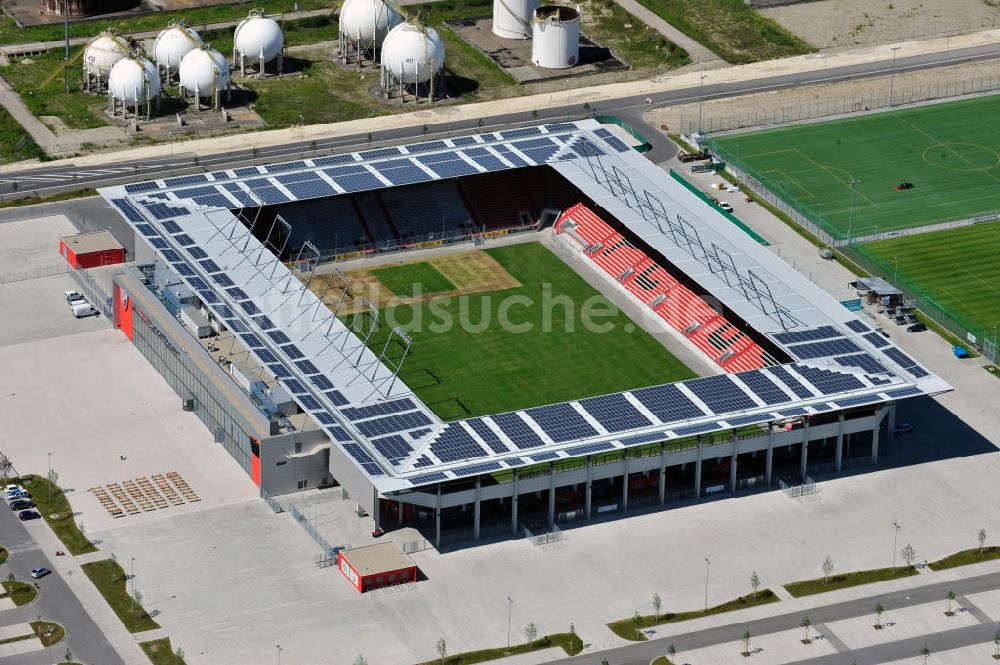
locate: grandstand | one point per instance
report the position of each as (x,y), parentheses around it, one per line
(803,386)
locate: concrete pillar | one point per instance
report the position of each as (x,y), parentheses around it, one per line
(400,513)
(840,441)
(625,484)
(890,432)
(552,493)
(475,514)
(437,520)
(587,491)
(663,474)
(732,464)
(769,463)
(875,442)
(805,450)
(513,508)
(697,471)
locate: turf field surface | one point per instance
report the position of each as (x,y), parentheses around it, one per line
(403,279)
(950,152)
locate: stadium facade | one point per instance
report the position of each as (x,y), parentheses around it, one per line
(222,300)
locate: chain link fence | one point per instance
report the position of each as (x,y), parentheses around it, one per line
(34,273)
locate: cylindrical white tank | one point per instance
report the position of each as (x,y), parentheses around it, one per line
(103,52)
(413,53)
(555,37)
(173,44)
(367,22)
(134,80)
(204,70)
(258,37)
(512,18)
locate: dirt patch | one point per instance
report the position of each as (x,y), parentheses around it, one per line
(473,271)
(842,23)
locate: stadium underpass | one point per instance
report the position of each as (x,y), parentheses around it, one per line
(803,386)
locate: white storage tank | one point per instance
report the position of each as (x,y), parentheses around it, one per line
(204,73)
(512,18)
(364,25)
(101,54)
(555,37)
(412,58)
(172,45)
(133,82)
(258,39)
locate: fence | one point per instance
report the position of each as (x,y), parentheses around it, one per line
(34,273)
(805,488)
(96,285)
(553,535)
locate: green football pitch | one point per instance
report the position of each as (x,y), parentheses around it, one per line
(475,366)
(959,269)
(950,152)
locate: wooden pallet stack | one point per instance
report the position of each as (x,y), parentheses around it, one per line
(132,497)
(182,485)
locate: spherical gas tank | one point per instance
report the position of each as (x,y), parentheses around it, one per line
(173,44)
(133,80)
(258,36)
(413,53)
(103,52)
(204,70)
(368,21)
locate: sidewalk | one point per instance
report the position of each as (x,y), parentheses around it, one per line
(698,53)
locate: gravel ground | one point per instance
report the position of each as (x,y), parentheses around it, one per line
(735,112)
(843,23)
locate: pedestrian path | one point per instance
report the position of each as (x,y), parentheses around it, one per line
(697,52)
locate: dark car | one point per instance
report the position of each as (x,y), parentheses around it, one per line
(21,504)
(917,327)
(26,515)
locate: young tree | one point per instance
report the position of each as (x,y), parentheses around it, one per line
(746,643)
(657,606)
(442,648)
(137,600)
(179,655)
(878,615)
(951,599)
(10,581)
(672,650)
(827,569)
(572,639)
(806,625)
(925,652)
(754,583)
(68,656)
(909,555)
(637,623)
(996,643)
(982,540)
(530,633)
(360,660)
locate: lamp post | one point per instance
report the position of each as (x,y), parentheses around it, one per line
(170,137)
(278,649)
(701,99)
(66,31)
(510,603)
(895,535)
(302,136)
(707,562)
(132,580)
(892,75)
(895,269)
(850,222)
(48,479)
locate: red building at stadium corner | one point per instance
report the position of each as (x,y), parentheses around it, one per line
(89,250)
(378,565)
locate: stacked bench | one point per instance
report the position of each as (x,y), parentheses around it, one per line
(132,497)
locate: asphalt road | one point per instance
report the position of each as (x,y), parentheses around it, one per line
(641,653)
(55,602)
(47,180)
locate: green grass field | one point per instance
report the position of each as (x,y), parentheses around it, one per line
(401,279)
(481,368)
(959,269)
(948,151)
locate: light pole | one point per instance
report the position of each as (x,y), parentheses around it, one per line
(850,222)
(278,648)
(895,535)
(892,76)
(701,99)
(707,562)
(48,479)
(66,30)
(895,269)
(132,580)
(302,136)
(510,603)
(170,136)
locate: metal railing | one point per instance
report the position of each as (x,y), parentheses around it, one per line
(34,273)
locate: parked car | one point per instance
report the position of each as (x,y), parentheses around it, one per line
(73,296)
(83,309)
(10,495)
(13,488)
(725,206)
(917,327)
(39,572)
(26,515)
(21,504)
(903,428)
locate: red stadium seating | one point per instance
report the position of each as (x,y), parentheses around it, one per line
(650,283)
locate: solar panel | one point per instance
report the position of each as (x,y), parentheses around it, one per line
(653,437)
(487,435)
(615,413)
(149,232)
(401,172)
(540,155)
(464,140)
(278,337)
(520,133)
(393,448)
(561,422)
(857,326)
(667,403)
(422,461)
(858,401)
(334,159)
(325,418)
(244,198)
(138,187)
(585,148)
(244,172)
(301,176)
(864,361)
(183,239)
(824,349)
(185,180)
(379,409)
(363,459)
(222,279)
(213,201)
(335,396)
(192,192)
(197,253)
(489,162)
(264,322)
(292,351)
(158,243)
(307,367)
(794,411)
(509,155)
(321,382)
(763,387)
(738,421)
(518,431)
(477,469)
(808,335)
(209,297)
(293,386)
(822,407)
(380,152)
(616,143)
(357,182)
(312,189)
(249,307)
(917,372)
(286,166)
(454,444)
(339,433)
(308,401)
(877,340)
(899,358)
(560,127)
(790,381)
(905,392)
(514,462)
(590,448)
(828,382)
(428,477)
(696,429)
(455,168)
(220,175)
(425,147)
(172,227)
(720,394)
(210,266)
(392,424)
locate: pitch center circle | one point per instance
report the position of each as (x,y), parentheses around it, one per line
(965,157)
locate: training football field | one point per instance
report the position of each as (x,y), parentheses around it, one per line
(959,269)
(466,362)
(950,152)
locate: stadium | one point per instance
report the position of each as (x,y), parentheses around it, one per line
(246,295)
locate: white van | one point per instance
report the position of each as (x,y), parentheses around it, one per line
(82,309)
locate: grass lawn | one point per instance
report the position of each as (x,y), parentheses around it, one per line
(544,355)
(570,643)
(735,32)
(77,109)
(845,580)
(48,633)
(4,553)
(639,45)
(401,280)
(51,502)
(21,593)
(948,151)
(958,269)
(662,660)
(11,133)
(965,557)
(109,578)
(160,653)
(628,628)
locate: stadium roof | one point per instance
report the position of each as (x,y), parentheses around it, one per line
(395,438)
